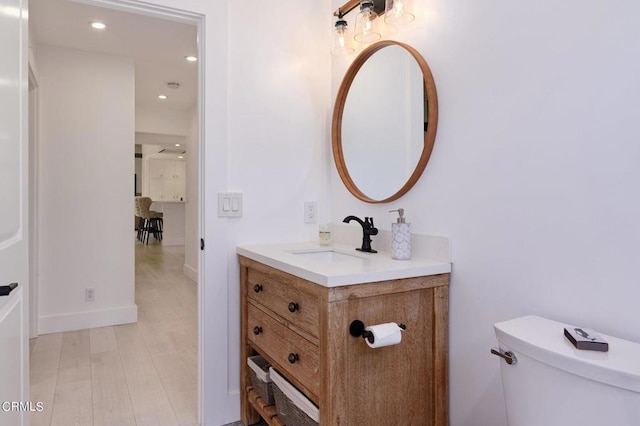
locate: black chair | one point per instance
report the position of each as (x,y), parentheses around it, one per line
(152,222)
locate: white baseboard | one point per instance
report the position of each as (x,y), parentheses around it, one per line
(88,319)
(190,272)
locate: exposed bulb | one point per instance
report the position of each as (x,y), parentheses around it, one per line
(366,31)
(398,12)
(398,7)
(340,45)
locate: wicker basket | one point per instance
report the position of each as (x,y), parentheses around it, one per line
(259,371)
(293,408)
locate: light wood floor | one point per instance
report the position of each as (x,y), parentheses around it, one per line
(133,374)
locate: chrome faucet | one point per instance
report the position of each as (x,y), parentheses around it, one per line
(367,231)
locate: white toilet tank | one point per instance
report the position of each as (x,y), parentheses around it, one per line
(553,383)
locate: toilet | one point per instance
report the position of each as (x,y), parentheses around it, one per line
(551,383)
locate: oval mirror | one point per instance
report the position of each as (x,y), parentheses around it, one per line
(384,122)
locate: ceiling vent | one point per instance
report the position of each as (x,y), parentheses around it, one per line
(173,85)
(172,151)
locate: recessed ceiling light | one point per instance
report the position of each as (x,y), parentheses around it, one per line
(180,156)
(191,58)
(162,96)
(98,25)
(177,144)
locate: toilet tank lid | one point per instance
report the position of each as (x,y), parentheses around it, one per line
(543,340)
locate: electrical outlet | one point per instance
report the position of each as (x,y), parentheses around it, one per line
(89,294)
(310,212)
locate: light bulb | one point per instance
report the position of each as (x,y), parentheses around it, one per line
(398,12)
(366,31)
(341,45)
(98,25)
(398,6)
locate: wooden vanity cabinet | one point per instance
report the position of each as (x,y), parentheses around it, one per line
(302,329)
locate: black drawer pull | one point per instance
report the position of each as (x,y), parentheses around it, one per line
(257,330)
(257,288)
(293,307)
(293,358)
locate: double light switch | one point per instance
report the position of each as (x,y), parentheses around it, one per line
(229,204)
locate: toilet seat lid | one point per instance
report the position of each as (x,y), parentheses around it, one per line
(543,340)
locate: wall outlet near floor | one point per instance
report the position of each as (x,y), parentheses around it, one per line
(89,294)
(310,212)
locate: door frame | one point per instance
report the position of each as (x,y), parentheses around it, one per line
(33,124)
(197,19)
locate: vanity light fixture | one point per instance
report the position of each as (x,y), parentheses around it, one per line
(163,97)
(341,39)
(98,25)
(366,26)
(378,7)
(191,58)
(398,12)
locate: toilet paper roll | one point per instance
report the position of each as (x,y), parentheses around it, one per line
(384,335)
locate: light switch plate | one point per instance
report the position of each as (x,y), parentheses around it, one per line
(229,204)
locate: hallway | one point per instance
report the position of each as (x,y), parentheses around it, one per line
(132,374)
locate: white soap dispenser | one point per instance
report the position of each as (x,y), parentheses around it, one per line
(400,237)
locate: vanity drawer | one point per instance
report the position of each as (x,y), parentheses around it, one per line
(292,304)
(283,346)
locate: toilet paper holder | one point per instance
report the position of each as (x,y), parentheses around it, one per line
(357,329)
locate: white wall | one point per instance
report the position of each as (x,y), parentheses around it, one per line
(279,114)
(85,187)
(162,121)
(534,174)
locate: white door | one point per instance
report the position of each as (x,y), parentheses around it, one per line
(14,367)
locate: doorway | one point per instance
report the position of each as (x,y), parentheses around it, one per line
(199,205)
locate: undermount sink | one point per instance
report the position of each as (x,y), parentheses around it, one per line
(328,255)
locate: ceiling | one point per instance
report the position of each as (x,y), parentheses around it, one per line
(157,46)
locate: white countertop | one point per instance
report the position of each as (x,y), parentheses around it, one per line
(169,202)
(348,267)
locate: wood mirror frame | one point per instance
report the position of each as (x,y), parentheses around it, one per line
(336,126)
